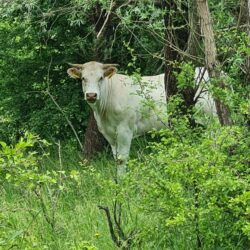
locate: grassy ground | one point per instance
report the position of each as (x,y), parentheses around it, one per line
(66,219)
(74,218)
(65,216)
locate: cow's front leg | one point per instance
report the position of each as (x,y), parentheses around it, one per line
(121,149)
(120,161)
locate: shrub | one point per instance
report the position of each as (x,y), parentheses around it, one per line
(194,188)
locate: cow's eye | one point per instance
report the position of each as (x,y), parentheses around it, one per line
(83,79)
(101,78)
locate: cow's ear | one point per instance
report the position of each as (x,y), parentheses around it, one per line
(110,71)
(74,73)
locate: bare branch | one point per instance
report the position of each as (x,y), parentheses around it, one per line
(65,116)
(111,227)
(106,20)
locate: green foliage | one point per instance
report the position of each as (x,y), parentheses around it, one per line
(188,184)
(188,190)
(54,218)
(196,185)
(19,166)
(31,64)
(39,38)
(21,169)
(185,78)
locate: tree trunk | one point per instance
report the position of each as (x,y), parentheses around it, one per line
(177,41)
(94,141)
(211,58)
(193,44)
(171,54)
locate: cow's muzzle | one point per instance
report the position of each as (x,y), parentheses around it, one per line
(91,97)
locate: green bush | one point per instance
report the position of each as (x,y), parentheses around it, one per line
(194,188)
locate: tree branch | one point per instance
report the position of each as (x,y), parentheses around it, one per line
(65,116)
(111,227)
(106,20)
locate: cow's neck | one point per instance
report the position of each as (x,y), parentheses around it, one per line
(103,106)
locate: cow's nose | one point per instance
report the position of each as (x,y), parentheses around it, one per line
(91,97)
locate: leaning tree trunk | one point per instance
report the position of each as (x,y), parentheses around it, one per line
(211,58)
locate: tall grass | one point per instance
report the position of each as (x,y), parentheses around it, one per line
(68,218)
(78,221)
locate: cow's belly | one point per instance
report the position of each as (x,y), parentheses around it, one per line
(139,120)
(146,125)
(153,119)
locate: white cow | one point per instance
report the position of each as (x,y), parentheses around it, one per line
(123,107)
(119,106)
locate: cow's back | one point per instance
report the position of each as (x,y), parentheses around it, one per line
(141,104)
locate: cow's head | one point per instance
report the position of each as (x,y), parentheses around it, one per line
(94,76)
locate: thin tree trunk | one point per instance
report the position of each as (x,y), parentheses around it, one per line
(193,45)
(171,55)
(211,58)
(176,41)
